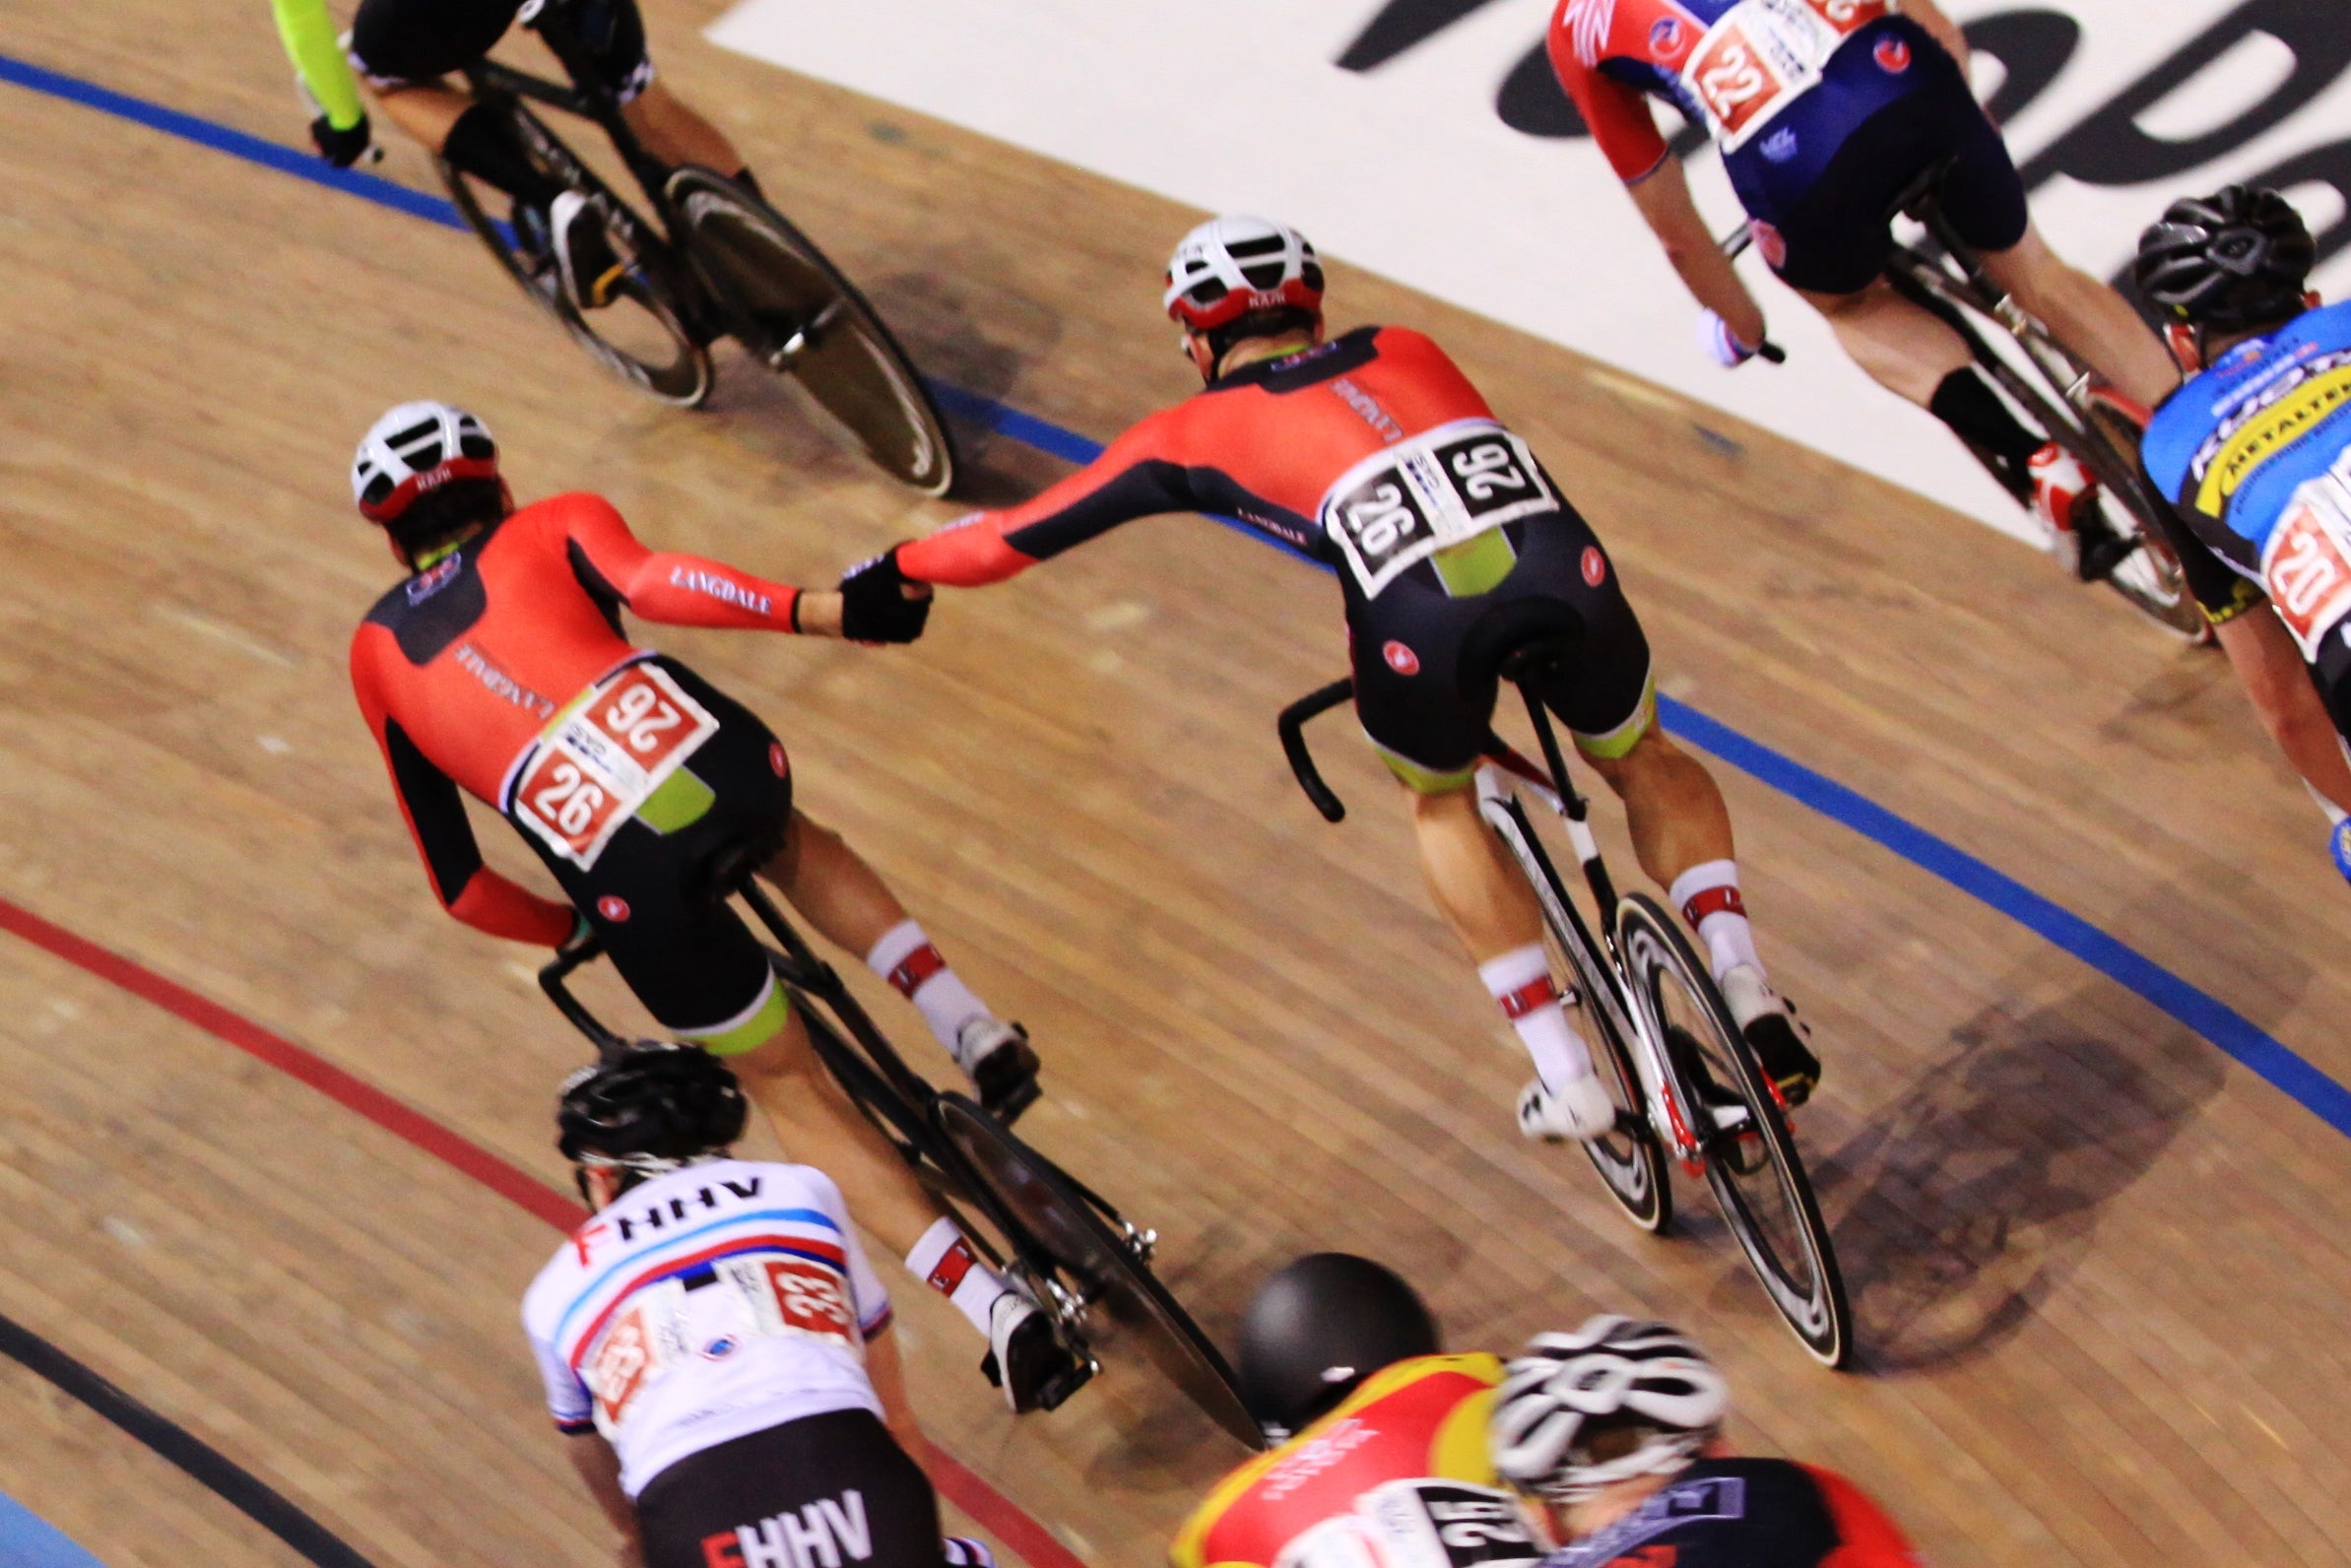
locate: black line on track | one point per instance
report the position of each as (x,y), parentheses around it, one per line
(239,1487)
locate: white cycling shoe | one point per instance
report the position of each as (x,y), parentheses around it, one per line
(1580,1111)
(1774,1032)
(1000,1063)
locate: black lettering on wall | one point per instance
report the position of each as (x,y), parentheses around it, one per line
(1532,102)
(1403,25)
(2108,149)
(2032,46)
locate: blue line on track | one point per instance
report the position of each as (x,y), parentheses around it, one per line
(2208,1015)
(26,1540)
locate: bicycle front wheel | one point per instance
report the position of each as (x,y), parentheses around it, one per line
(1106,1265)
(640,337)
(799,316)
(1751,1162)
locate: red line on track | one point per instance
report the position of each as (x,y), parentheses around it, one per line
(996,1513)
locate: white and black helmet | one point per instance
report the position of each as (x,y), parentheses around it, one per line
(1637,1393)
(1231,267)
(414,448)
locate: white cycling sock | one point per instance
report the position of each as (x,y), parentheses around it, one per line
(1521,981)
(908,960)
(1707,897)
(945,1261)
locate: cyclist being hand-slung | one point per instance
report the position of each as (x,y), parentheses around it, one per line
(1827,112)
(404,48)
(1373,453)
(498,669)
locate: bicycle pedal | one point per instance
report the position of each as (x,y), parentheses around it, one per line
(1008,1102)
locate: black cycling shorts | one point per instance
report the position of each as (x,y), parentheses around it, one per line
(689,957)
(2223,592)
(832,1488)
(1834,240)
(402,43)
(1424,660)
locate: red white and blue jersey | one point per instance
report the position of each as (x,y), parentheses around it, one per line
(716,1301)
(1779,83)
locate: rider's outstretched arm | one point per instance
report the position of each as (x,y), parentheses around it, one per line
(670,586)
(1137,476)
(435,810)
(312,44)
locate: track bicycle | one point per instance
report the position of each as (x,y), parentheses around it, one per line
(713,261)
(1686,1085)
(2058,395)
(1057,1239)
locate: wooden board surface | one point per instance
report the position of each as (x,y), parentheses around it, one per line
(2098,1269)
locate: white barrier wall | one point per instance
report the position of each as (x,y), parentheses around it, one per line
(1424,139)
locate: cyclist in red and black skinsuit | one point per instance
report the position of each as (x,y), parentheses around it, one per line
(1374,454)
(498,669)
(1826,113)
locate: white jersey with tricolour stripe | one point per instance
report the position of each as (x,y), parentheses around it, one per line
(709,1303)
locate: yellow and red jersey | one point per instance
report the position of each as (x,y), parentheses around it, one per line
(1407,1452)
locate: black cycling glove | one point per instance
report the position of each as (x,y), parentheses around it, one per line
(339,148)
(874,603)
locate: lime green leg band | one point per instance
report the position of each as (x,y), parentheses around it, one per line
(1424,780)
(750,1030)
(1614,743)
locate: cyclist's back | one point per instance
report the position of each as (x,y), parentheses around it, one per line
(1402,1461)
(1747,1513)
(472,657)
(2234,443)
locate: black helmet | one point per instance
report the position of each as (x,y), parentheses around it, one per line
(649,1108)
(2233,259)
(1321,1327)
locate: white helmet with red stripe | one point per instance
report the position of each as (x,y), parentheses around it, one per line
(414,448)
(1229,267)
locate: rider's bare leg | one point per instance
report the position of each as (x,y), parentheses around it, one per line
(2085,315)
(818,1125)
(426,110)
(832,886)
(1905,348)
(674,134)
(1477,889)
(851,906)
(1671,804)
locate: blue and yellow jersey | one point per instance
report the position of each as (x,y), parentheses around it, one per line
(1407,1452)
(2231,447)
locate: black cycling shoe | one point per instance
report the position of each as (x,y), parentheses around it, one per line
(2100,549)
(1784,1057)
(1043,1371)
(1001,1064)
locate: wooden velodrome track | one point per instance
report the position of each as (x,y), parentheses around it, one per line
(2099,1267)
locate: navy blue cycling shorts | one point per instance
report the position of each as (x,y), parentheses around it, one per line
(1822,185)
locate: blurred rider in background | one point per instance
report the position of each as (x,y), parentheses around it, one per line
(1380,1452)
(498,667)
(404,49)
(726,1383)
(1617,1429)
(1826,113)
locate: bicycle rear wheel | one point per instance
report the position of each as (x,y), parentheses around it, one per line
(1752,1161)
(640,337)
(1106,1264)
(1630,1162)
(799,316)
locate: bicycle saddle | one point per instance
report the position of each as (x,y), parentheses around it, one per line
(1518,641)
(725,871)
(1918,193)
